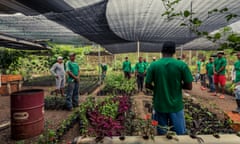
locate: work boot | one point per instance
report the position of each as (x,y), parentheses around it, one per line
(238,106)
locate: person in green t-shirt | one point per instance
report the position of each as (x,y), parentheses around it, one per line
(167,77)
(209,70)
(219,74)
(140,71)
(104,70)
(236,80)
(126,67)
(153,59)
(73,73)
(203,73)
(197,76)
(145,62)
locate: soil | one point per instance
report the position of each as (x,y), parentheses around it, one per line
(213,103)
(54,117)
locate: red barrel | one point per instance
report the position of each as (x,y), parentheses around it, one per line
(27,113)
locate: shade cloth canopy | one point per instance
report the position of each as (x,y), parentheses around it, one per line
(117,25)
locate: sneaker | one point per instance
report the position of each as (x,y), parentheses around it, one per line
(221,96)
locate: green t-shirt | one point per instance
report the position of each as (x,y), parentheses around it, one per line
(140,67)
(72,67)
(146,64)
(167,76)
(237,69)
(209,68)
(104,67)
(198,66)
(126,66)
(218,63)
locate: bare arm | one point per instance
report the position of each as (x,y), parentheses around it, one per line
(72,75)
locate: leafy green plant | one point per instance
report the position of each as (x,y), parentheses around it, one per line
(147,127)
(117,84)
(48,136)
(9,59)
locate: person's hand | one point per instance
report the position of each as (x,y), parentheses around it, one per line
(215,73)
(76,79)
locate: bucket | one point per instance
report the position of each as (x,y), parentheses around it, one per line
(27,113)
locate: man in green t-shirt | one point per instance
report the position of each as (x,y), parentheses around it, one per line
(236,80)
(145,62)
(73,73)
(209,70)
(219,74)
(126,67)
(140,71)
(167,77)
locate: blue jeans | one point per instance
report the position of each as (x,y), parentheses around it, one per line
(237,93)
(176,120)
(211,83)
(72,94)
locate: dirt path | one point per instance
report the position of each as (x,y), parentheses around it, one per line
(213,103)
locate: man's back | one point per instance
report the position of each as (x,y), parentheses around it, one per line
(168,74)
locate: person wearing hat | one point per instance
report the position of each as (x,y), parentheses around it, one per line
(220,64)
(167,77)
(126,67)
(58,71)
(73,72)
(154,59)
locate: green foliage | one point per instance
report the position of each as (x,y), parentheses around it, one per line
(116,84)
(48,136)
(117,66)
(64,50)
(89,103)
(9,59)
(110,108)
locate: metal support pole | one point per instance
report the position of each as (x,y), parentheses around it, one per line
(138,48)
(99,65)
(181,52)
(190,57)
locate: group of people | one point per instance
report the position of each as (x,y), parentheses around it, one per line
(72,70)
(215,71)
(166,77)
(140,70)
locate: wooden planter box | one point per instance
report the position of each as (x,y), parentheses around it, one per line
(10,83)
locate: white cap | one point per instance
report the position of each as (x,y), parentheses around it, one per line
(59,58)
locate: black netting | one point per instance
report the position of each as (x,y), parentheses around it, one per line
(119,24)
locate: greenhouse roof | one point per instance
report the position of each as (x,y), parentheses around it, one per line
(117,25)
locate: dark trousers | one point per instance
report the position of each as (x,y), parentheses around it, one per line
(203,80)
(127,75)
(72,94)
(140,81)
(211,83)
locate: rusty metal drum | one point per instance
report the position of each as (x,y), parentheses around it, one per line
(27,113)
